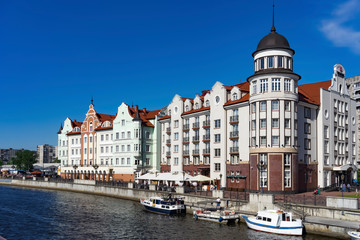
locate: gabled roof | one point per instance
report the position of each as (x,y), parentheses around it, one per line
(243,99)
(105,117)
(244,86)
(145,115)
(165,117)
(310,92)
(75,123)
(103,128)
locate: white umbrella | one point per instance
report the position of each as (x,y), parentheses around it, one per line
(200,178)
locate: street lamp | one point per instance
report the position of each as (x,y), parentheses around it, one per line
(220,181)
(261,165)
(75,167)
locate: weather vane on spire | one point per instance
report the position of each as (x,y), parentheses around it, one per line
(273,20)
(92,101)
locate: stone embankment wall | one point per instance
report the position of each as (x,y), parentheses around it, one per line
(256,202)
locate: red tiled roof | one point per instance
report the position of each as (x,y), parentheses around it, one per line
(311,92)
(73,133)
(242,86)
(243,99)
(105,117)
(145,115)
(196,110)
(165,117)
(103,128)
(75,123)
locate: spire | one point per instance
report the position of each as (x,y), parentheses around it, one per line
(61,128)
(92,101)
(273,20)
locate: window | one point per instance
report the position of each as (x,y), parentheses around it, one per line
(263,140)
(128,161)
(217,123)
(176,148)
(307,112)
(307,158)
(287,85)
(102,138)
(147,135)
(123,135)
(263,123)
(262,63)
(270,62)
(102,149)
(176,136)
(263,106)
(107,137)
(116,136)
(254,87)
(91,126)
(275,84)
(287,105)
(275,105)
(176,161)
(196,106)
(263,85)
(122,148)
(235,96)
(289,63)
(217,152)
(122,161)
(116,149)
(307,128)
(275,123)
(287,179)
(253,124)
(287,122)
(176,123)
(307,144)
(263,171)
(253,141)
(217,167)
(129,134)
(85,139)
(123,122)
(280,61)
(287,141)
(147,148)
(90,139)
(253,107)
(326,132)
(326,146)
(217,138)
(207,103)
(128,148)
(275,140)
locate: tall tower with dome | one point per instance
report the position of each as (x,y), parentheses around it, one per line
(273,115)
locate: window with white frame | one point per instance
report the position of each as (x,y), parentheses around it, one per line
(254,87)
(217,138)
(275,84)
(123,122)
(147,148)
(253,141)
(287,105)
(307,144)
(287,123)
(128,161)
(217,123)
(176,123)
(176,136)
(262,63)
(176,161)
(253,107)
(280,61)
(263,140)
(287,85)
(263,171)
(270,62)
(275,123)
(263,106)
(263,85)
(217,152)
(263,123)
(275,105)
(253,124)
(287,141)
(217,167)
(176,148)
(275,140)
(307,128)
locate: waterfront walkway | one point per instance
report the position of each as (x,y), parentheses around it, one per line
(333,222)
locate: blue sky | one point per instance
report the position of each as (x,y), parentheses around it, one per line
(56,55)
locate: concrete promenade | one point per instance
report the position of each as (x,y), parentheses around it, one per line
(328,221)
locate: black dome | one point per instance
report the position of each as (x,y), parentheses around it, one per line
(272,41)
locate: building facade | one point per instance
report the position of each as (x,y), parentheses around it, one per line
(110,147)
(266,134)
(46,153)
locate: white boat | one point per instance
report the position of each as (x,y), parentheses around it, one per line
(216,215)
(168,206)
(354,234)
(275,221)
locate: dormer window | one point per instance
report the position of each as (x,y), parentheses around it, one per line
(235,96)
(207,103)
(196,105)
(270,62)
(186,108)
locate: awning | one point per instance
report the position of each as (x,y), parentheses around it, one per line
(345,167)
(165,177)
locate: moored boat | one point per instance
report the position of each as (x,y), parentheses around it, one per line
(275,221)
(168,206)
(354,235)
(216,215)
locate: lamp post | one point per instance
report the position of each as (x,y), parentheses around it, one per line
(95,167)
(261,165)
(75,167)
(342,192)
(220,181)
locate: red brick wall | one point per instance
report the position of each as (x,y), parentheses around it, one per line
(165,168)
(294,172)
(254,177)
(275,172)
(124,177)
(204,169)
(244,170)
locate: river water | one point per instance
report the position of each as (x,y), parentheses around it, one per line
(42,214)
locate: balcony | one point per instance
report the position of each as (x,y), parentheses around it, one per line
(206,124)
(206,151)
(186,139)
(186,153)
(234,134)
(196,138)
(168,154)
(196,125)
(186,127)
(196,152)
(168,142)
(234,149)
(234,119)
(206,137)
(168,130)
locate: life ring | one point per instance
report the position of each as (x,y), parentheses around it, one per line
(221,219)
(196,217)
(197,211)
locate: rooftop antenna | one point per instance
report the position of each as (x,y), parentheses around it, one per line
(273,20)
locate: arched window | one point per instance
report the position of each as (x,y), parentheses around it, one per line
(235,96)
(91,126)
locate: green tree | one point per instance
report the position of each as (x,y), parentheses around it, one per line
(1,162)
(56,160)
(24,160)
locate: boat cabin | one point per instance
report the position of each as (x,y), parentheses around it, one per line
(274,217)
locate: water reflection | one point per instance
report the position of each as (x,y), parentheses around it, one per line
(39,214)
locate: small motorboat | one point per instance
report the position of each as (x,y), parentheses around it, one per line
(216,215)
(275,221)
(354,235)
(168,206)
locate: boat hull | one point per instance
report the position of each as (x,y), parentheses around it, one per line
(354,235)
(288,230)
(165,211)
